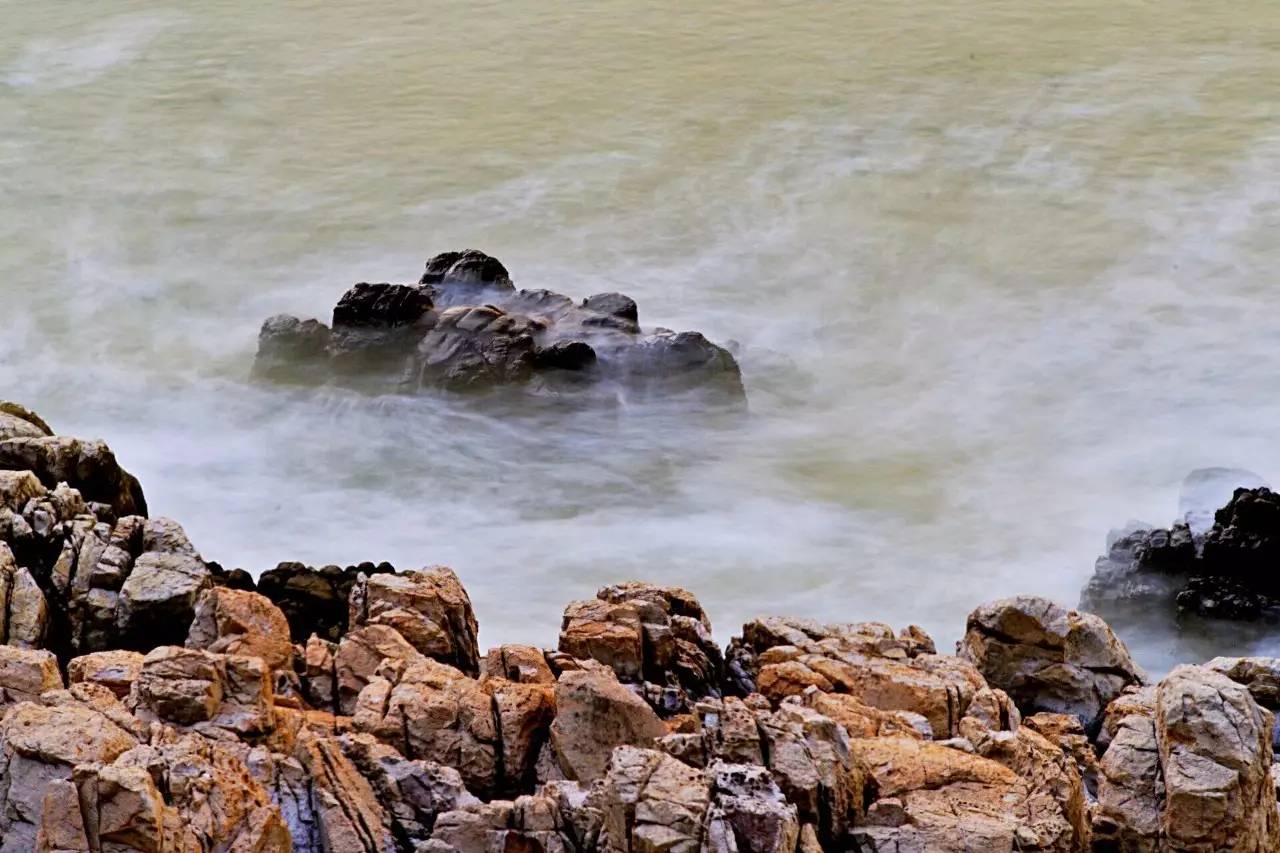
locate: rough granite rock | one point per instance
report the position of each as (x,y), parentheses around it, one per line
(430,609)
(194,688)
(26,673)
(888,672)
(87,466)
(238,622)
(1048,658)
(595,714)
(656,637)
(115,670)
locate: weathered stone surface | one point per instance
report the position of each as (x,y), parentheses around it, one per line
(330,805)
(524,664)
(26,673)
(17,421)
(24,612)
(533,823)
(358,658)
(157,601)
(475,348)
(430,609)
(884,671)
(1048,658)
(238,622)
(291,349)
(936,799)
(189,687)
(87,466)
(1260,675)
(595,714)
(39,746)
(652,802)
(1215,753)
(748,812)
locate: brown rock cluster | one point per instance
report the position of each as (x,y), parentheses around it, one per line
(197,717)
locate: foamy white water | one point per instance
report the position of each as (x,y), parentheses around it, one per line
(1001,275)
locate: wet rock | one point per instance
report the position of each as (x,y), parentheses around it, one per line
(237,622)
(475,348)
(565,355)
(674,361)
(291,349)
(116,670)
(1206,490)
(314,601)
(615,310)
(1048,658)
(1244,543)
(430,609)
(456,277)
(595,714)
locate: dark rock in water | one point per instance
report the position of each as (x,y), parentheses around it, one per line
(292,349)
(1244,543)
(566,355)
(1221,598)
(1205,490)
(232,578)
(465,327)
(381,305)
(1230,572)
(475,349)
(314,601)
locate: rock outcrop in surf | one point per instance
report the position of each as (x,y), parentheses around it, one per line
(465,327)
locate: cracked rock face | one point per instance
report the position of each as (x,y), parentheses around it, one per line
(1048,658)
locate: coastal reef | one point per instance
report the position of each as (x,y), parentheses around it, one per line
(151,700)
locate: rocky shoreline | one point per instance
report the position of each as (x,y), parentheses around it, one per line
(151,700)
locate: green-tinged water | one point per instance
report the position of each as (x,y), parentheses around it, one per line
(1001,274)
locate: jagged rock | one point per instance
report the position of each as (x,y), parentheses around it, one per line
(862,720)
(1260,675)
(652,802)
(465,327)
(430,609)
(1048,658)
(39,746)
(413,794)
(748,813)
(24,613)
(26,673)
(595,714)
(1244,543)
(935,799)
(490,731)
(116,670)
(1206,490)
(17,421)
(656,636)
(1066,732)
(333,807)
(1215,754)
(158,599)
(532,823)
(785,657)
(87,466)
(238,622)
(357,659)
(523,664)
(190,687)
(314,601)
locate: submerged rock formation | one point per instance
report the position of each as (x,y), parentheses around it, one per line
(152,702)
(464,327)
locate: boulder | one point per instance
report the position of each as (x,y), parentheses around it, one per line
(291,349)
(533,823)
(26,673)
(656,637)
(40,746)
(116,670)
(24,612)
(206,691)
(1048,658)
(475,348)
(595,714)
(87,466)
(17,421)
(867,661)
(357,660)
(158,599)
(1215,753)
(429,608)
(238,622)
(652,802)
